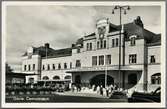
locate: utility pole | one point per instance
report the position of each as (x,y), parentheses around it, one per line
(120,8)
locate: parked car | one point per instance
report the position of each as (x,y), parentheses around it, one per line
(154,96)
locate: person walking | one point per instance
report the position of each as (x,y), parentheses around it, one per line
(101,90)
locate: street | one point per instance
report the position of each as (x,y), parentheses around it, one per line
(62,97)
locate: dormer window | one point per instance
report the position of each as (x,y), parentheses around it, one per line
(133,40)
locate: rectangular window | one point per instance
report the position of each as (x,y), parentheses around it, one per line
(59,66)
(25,67)
(53,66)
(43,67)
(29,67)
(132,41)
(65,65)
(116,42)
(70,64)
(90,46)
(98,45)
(152,59)
(101,60)
(87,46)
(132,58)
(78,63)
(104,43)
(78,50)
(94,60)
(113,42)
(48,67)
(33,66)
(101,44)
(108,59)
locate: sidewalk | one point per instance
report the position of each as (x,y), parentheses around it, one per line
(86,93)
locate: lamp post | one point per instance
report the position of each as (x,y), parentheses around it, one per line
(120,8)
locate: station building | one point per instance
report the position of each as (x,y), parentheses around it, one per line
(130,61)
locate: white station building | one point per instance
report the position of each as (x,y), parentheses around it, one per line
(95,59)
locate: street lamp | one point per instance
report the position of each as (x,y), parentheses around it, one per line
(120,8)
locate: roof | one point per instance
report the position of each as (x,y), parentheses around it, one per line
(49,52)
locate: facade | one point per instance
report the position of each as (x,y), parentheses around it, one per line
(102,57)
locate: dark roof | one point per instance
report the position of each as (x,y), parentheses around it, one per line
(142,33)
(43,51)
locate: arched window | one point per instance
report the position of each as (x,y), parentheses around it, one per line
(67,77)
(132,79)
(31,80)
(45,78)
(56,77)
(156,78)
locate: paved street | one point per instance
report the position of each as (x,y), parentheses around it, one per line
(63,97)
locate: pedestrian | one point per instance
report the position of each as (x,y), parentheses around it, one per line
(101,90)
(107,90)
(98,89)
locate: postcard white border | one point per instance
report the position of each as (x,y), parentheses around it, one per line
(86,105)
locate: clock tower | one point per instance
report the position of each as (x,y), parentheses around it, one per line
(102,28)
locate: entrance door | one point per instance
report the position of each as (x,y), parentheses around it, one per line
(78,79)
(100,80)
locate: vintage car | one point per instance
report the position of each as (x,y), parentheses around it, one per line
(154,96)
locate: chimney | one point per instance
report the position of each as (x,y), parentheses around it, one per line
(47,45)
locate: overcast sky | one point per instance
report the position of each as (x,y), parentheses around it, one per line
(62,25)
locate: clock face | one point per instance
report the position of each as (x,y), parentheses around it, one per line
(101,31)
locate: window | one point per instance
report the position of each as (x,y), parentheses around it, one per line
(101,60)
(25,67)
(108,59)
(101,44)
(33,66)
(113,42)
(78,50)
(104,43)
(45,78)
(48,67)
(67,77)
(116,42)
(132,58)
(59,66)
(94,60)
(65,65)
(152,59)
(156,78)
(29,67)
(78,63)
(132,41)
(90,46)
(98,45)
(87,46)
(53,66)
(43,67)
(70,64)
(56,77)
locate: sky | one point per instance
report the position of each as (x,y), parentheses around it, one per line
(62,25)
